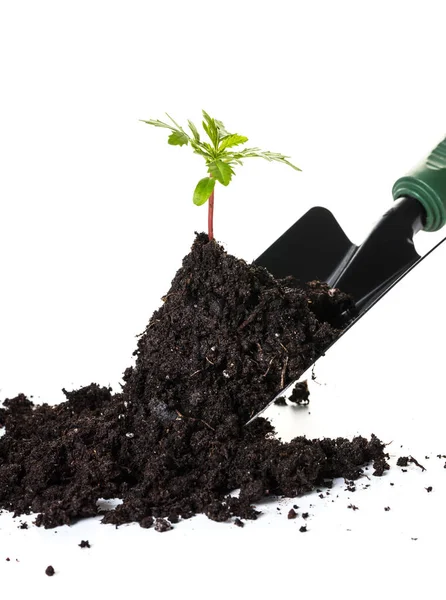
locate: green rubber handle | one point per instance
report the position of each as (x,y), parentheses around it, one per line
(427,183)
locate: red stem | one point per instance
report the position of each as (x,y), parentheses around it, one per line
(211,216)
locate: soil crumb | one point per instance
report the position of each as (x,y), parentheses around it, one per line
(50,571)
(84,544)
(162,525)
(300,394)
(173,442)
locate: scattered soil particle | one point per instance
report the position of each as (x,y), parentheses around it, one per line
(162,525)
(305,515)
(23,525)
(227,338)
(300,394)
(280,401)
(415,462)
(353,507)
(84,544)
(146,522)
(429,489)
(292,514)
(238,522)
(402,461)
(8,559)
(350,487)
(295,506)
(387,508)
(50,571)
(303,529)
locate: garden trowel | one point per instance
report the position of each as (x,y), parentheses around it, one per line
(316,247)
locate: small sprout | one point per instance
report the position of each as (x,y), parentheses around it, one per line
(220,155)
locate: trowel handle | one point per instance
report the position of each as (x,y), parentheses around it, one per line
(427,183)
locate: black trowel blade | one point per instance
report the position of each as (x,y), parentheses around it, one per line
(316,247)
(311,249)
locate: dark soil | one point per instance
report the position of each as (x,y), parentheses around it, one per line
(173,442)
(50,571)
(300,393)
(162,525)
(147,522)
(84,544)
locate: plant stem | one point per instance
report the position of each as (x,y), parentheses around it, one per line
(211,216)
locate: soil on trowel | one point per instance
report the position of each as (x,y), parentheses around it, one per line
(226,340)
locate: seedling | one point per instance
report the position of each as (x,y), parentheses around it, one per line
(219,155)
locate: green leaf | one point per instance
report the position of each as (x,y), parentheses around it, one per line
(210,128)
(157,123)
(221,171)
(231,140)
(204,189)
(194,131)
(202,151)
(174,122)
(178,138)
(257,153)
(221,129)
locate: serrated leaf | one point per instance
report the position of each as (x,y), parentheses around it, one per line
(234,139)
(204,189)
(157,123)
(178,138)
(210,128)
(221,129)
(265,154)
(221,171)
(194,131)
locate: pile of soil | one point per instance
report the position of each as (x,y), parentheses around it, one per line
(173,442)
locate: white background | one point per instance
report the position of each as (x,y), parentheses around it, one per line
(96,215)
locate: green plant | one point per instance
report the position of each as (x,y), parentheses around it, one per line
(219,154)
